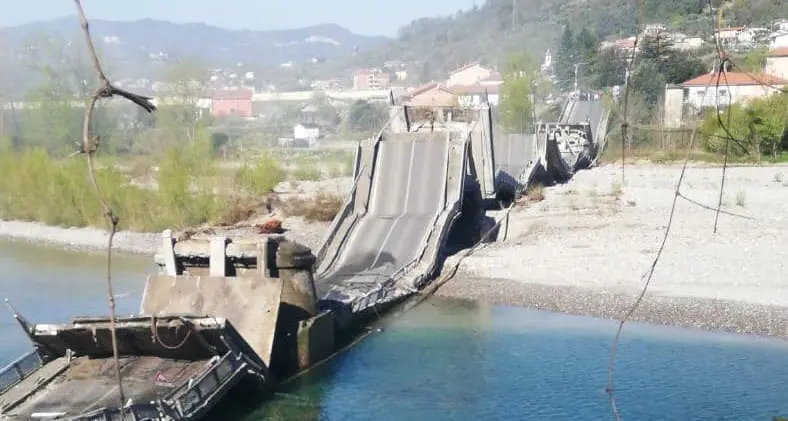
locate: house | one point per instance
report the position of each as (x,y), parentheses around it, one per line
(703,92)
(779,39)
(624,45)
(729,36)
(468,75)
(653,30)
(237,102)
(777,62)
(475,95)
(687,43)
(431,94)
(366,79)
(305,132)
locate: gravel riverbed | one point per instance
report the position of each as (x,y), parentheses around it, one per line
(585,249)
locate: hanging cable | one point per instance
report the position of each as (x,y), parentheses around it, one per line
(89,147)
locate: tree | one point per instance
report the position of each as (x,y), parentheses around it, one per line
(760,128)
(178,118)
(608,68)
(54,118)
(565,59)
(516,107)
(364,116)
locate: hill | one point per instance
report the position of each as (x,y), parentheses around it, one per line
(489,32)
(137,48)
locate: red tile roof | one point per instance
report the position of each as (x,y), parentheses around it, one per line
(736,79)
(421,89)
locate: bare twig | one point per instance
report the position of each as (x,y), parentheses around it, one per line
(88,148)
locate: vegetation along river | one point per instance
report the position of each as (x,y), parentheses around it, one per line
(452,360)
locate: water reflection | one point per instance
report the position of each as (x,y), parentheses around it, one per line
(50,285)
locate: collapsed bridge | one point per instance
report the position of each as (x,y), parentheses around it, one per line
(252,311)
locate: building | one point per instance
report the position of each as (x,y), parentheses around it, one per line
(703,92)
(623,45)
(486,90)
(468,75)
(687,43)
(729,36)
(371,79)
(777,62)
(306,133)
(237,102)
(475,95)
(431,94)
(779,40)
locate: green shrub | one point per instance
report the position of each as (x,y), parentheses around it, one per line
(258,179)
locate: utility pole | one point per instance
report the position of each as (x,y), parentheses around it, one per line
(514,15)
(576,66)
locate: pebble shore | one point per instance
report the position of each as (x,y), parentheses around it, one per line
(585,249)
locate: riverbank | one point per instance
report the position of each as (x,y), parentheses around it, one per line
(584,249)
(79,238)
(293,203)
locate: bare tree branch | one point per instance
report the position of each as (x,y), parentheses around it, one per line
(89,146)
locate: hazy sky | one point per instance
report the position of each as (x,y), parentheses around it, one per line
(368,17)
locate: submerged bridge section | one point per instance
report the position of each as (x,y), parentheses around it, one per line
(575,141)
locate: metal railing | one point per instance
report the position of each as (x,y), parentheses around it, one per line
(190,397)
(20,369)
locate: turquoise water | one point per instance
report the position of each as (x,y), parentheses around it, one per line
(459,361)
(48,285)
(451,360)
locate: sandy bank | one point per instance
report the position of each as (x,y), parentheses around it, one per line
(585,248)
(79,238)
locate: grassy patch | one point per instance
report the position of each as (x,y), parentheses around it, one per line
(535,193)
(188,191)
(307,173)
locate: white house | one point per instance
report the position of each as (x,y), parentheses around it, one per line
(468,75)
(703,92)
(734,88)
(469,96)
(777,62)
(306,132)
(485,90)
(779,39)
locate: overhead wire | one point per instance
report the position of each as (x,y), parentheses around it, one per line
(89,147)
(649,275)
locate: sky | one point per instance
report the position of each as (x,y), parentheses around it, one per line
(366,17)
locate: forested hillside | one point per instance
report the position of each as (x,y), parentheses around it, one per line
(488,32)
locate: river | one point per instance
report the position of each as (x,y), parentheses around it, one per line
(454,360)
